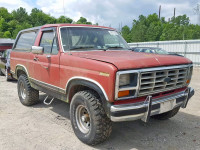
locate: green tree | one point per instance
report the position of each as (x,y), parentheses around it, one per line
(139,28)
(154,25)
(196,33)
(7,34)
(5,14)
(63,19)
(38,18)
(83,20)
(180,20)
(1,34)
(3,25)
(20,15)
(151,28)
(126,33)
(12,26)
(153,18)
(154,31)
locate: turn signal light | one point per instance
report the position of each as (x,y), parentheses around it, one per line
(123,93)
(188,81)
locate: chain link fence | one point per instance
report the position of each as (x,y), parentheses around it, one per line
(188,48)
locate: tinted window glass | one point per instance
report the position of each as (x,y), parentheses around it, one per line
(111,39)
(54,47)
(161,51)
(91,39)
(47,41)
(26,40)
(136,49)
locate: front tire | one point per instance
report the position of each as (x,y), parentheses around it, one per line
(27,95)
(89,120)
(167,115)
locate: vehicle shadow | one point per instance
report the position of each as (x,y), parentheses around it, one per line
(179,132)
(12,81)
(57,106)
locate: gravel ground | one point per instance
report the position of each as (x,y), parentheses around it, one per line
(48,127)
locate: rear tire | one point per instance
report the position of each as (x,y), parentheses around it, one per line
(167,115)
(88,118)
(27,95)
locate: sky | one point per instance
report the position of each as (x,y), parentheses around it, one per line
(107,12)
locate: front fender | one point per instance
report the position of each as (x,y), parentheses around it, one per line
(91,85)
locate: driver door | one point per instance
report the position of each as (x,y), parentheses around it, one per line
(47,64)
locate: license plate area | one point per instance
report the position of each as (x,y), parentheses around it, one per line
(167,106)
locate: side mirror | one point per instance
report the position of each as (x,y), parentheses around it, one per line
(37,49)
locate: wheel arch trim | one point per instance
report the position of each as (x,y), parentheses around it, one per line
(23,68)
(89,81)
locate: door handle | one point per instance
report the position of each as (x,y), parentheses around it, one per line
(48,56)
(35,58)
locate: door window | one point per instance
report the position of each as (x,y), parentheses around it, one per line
(54,47)
(49,43)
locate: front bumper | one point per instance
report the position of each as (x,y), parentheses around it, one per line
(143,110)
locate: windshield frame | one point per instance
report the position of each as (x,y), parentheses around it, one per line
(61,43)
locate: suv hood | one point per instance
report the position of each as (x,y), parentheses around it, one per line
(132,60)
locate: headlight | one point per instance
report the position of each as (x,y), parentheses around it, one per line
(126,84)
(124,79)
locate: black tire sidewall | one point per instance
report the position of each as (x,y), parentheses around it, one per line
(22,80)
(80,100)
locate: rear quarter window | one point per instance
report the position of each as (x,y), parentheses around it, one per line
(25,41)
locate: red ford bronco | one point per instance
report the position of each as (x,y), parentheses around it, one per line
(93,69)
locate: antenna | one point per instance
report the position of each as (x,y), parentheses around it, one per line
(159,11)
(64,7)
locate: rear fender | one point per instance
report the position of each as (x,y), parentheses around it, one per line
(20,68)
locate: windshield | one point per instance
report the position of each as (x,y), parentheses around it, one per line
(161,51)
(84,38)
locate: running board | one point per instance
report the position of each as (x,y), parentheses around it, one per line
(48,103)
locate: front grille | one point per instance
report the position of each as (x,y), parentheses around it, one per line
(162,80)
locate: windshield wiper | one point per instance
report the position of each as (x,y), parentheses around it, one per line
(109,47)
(82,47)
(104,49)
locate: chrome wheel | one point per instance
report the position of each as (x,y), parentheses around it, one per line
(82,119)
(22,90)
